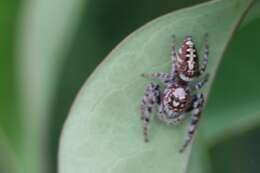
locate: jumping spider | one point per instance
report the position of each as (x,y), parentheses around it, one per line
(180,94)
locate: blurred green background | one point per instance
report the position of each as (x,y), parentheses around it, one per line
(48,49)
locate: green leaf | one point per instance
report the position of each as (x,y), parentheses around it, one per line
(199,159)
(253,14)
(8,158)
(95,41)
(103,132)
(8,111)
(238,153)
(10,136)
(238,83)
(45,31)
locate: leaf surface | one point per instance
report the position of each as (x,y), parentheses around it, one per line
(103,132)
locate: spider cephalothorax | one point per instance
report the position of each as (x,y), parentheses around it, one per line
(176,99)
(180,94)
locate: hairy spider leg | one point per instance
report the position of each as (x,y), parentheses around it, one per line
(151,98)
(196,115)
(173,55)
(157,75)
(163,77)
(201,83)
(205,54)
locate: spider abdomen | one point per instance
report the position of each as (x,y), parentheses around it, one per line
(187,60)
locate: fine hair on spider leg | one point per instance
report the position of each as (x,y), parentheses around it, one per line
(150,99)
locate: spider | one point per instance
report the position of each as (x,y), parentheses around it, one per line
(180,94)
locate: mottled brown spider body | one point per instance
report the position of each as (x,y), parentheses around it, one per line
(176,99)
(187,64)
(180,91)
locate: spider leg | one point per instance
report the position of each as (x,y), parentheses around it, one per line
(205,54)
(163,77)
(201,83)
(196,114)
(151,98)
(173,55)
